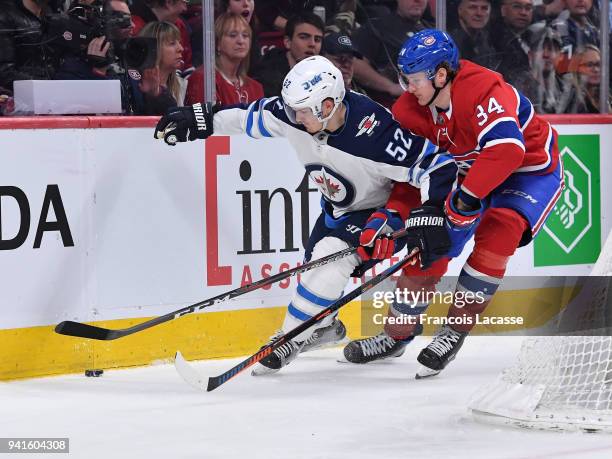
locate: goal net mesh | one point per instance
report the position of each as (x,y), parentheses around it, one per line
(561,382)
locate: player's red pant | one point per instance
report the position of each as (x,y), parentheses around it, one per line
(496,239)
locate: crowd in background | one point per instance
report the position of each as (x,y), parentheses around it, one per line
(548,49)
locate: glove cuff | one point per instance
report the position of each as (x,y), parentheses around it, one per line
(460,218)
(469,200)
(394,218)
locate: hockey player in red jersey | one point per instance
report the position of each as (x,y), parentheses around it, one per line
(510,178)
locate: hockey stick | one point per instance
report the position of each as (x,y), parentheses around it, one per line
(83,330)
(192,377)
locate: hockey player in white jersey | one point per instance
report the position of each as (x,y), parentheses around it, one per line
(355,152)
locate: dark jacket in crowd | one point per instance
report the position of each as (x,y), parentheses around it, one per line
(271,71)
(77,68)
(476,48)
(22,54)
(512,59)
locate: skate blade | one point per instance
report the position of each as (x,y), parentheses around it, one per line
(383,361)
(260,370)
(188,373)
(425,372)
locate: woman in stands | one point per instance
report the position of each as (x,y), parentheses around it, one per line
(587,78)
(159,88)
(245,8)
(233,41)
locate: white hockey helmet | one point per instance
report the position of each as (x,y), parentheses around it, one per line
(309,83)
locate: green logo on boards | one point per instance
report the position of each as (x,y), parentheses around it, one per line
(572,232)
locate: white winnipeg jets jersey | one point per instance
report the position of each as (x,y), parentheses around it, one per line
(355,167)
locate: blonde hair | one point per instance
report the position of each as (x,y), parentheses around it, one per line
(164,32)
(585,93)
(224,23)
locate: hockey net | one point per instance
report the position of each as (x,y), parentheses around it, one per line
(561,382)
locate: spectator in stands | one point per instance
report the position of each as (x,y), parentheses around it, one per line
(101,62)
(23,56)
(379,40)
(160,88)
(96,63)
(547,10)
(7,103)
(232,85)
(551,93)
(343,21)
(244,8)
(510,36)
(303,37)
(575,28)
(339,50)
(273,14)
(586,71)
(472,35)
(145,11)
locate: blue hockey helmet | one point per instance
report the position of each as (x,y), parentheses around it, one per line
(427,49)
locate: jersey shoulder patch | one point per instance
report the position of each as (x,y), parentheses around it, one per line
(371,132)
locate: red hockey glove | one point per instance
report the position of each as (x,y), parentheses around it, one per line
(374,246)
(462,219)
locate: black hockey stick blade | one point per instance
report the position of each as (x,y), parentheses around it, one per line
(216,381)
(83,330)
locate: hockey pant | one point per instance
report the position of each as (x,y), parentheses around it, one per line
(514,213)
(320,287)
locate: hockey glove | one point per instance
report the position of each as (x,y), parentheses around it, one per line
(426,228)
(373,247)
(180,124)
(462,220)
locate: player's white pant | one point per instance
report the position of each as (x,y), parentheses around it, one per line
(319,287)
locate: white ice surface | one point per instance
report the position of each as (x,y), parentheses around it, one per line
(315,408)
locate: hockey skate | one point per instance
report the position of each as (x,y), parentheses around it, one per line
(325,336)
(281,357)
(440,352)
(376,347)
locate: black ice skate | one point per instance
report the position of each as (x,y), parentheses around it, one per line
(376,347)
(281,357)
(325,336)
(440,352)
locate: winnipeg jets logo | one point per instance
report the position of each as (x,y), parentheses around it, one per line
(312,82)
(331,188)
(367,125)
(334,187)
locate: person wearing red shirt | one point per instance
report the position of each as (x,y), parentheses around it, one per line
(144,11)
(232,85)
(510,178)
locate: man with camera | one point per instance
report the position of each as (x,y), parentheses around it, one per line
(108,52)
(96,60)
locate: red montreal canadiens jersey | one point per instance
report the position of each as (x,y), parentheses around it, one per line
(490,129)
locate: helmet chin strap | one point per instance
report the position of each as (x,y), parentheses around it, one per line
(437,90)
(328,117)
